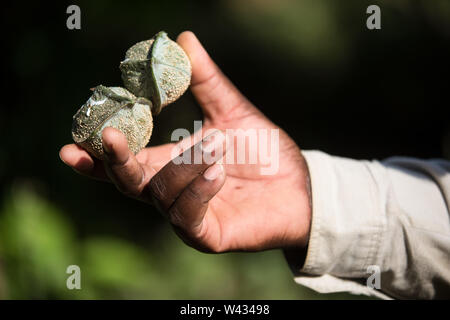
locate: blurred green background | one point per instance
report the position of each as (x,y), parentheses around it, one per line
(311,66)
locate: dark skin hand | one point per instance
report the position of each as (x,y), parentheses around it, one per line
(212,207)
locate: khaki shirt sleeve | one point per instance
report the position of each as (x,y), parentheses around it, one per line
(391,216)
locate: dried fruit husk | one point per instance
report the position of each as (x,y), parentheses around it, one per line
(112,107)
(157,69)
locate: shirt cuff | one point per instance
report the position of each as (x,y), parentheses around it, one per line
(348,221)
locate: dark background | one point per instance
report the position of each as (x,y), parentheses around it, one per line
(311,66)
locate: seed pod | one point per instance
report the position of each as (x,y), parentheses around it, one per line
(112,107)
(157,69)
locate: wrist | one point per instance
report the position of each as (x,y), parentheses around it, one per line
(299,225)
(296,254)
(307,204)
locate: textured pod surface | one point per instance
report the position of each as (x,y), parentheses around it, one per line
(112,107)
(157,69)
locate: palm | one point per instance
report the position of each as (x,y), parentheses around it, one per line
(250,204)
(249,210)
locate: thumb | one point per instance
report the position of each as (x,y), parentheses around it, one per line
(213,90)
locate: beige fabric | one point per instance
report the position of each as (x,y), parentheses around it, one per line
(392,214)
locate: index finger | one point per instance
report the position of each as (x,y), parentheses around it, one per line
(176,175)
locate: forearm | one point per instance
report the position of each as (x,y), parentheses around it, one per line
(393,215)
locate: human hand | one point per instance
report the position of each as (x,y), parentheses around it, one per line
(212,207)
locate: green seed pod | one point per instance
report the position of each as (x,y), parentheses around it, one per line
(157,69)
(112,107)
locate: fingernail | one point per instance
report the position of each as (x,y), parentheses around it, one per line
(213,172)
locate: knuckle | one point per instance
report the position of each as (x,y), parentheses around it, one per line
(175,216)
(157,187)
(116,161)
(214,80)
(193,194)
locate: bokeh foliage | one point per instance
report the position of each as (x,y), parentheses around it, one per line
(38,243)
(311,66)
